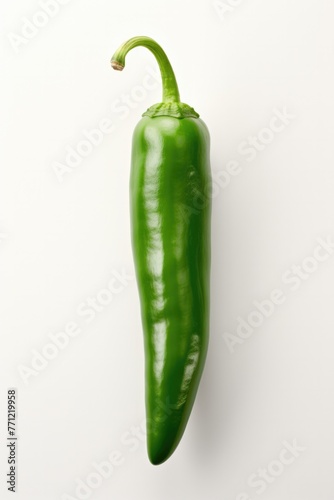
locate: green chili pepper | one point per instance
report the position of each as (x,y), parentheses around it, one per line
(170,219)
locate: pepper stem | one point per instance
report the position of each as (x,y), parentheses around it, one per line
(170,91)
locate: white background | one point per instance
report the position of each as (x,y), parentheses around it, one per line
(61,242)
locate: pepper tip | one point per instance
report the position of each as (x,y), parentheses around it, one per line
(116,65)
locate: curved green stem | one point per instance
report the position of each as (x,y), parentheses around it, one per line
(169,85)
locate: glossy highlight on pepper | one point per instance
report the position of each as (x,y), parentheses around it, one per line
(170,225)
